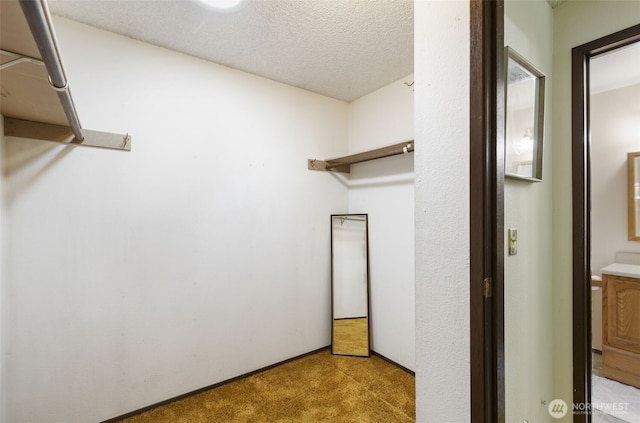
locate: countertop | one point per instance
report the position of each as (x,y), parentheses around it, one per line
(619,269)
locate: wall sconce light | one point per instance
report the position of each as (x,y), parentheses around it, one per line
(524,144)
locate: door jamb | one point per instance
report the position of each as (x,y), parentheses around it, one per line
(581,183)
(487,211)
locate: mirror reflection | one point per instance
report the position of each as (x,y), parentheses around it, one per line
(350,285)
(634,196)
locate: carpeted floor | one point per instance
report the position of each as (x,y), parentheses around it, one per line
(316,388)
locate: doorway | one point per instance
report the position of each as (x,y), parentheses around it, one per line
(582,209)
(614,98)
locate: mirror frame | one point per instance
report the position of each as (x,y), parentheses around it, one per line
(633,203)
(368,285)
(535,133)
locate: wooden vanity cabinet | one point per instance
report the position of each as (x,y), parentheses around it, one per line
(621,328)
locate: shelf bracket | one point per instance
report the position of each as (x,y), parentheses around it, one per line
(64,135)
(314,164)
(17,59)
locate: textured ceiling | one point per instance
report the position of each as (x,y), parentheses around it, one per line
(340,48)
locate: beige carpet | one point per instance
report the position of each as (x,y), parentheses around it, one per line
(317,388)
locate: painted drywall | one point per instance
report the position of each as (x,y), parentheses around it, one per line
(383,117)
(615,131)
(528,208)
(384,189)
(574,23)
(442,210)
(3,267)
(200,255)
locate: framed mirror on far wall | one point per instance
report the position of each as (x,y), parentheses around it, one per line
(633,188)
(524,120)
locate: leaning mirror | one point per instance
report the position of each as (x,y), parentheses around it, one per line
(524,119)
(633,187)
(350,285)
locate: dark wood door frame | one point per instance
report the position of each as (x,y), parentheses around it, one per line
(487,211)
(581,56)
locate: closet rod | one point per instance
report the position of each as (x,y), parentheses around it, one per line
(38,17)
(379,153)
(346,217)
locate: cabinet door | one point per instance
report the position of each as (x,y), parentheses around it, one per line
(622,304)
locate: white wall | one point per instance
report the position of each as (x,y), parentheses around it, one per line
(384,189)
(383,117)
(442,210)
(528,207)
(575,23)
(3,267)
(200,255)
(615,131)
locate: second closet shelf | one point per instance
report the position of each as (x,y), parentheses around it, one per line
(342,164)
